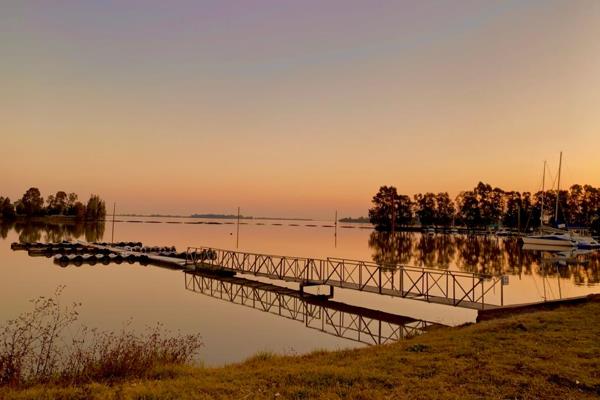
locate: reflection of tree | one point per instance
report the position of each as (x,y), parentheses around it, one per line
(5,227)
(56,232)
(391,248)
(519,262)
(446,250)
(588,273)
(94,232)
(424,251)
(481,254)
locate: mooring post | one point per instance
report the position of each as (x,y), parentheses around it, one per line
(330,291)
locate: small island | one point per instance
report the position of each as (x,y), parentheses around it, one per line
(359,220)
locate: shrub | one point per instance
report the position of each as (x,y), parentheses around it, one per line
(34,348)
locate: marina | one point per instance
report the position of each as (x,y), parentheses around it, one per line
(443,287)
(476,291)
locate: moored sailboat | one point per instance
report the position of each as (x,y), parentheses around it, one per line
(550,236)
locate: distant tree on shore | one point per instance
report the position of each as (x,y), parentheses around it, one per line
(7,210)
(425,208)
(57,204)
(32,205)
(434,209)
(469,212)
(390,210)
(359,220)
(485,206)
(95,209)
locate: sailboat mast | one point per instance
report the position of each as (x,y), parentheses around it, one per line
(543,193)
(558,190)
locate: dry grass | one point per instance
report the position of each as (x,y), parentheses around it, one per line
(542,355)
(36,349)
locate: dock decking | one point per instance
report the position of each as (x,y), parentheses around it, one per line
(462,289)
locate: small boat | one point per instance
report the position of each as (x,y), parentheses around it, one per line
(552,239)
(546,248)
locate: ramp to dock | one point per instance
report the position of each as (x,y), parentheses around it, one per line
(462,289)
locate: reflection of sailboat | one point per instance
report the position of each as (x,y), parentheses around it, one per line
(567,257)
(338,319)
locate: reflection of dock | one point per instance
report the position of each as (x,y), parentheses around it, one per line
(350,322)
(464,289)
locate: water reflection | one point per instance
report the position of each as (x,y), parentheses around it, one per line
(37,231)
(359,324)
(485,254)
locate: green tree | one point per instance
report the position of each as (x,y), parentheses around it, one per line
(32,203)
(7,210)
(390,210)
(468,209)
(425,205)
(490,203)
(60,202)
(512,214)
(445,209)
(57,204)
(71,200)
(78,210)
(95,209)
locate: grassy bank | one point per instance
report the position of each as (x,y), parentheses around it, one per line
(544,354)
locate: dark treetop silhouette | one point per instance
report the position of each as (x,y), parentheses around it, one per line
(60,204)
(485,206)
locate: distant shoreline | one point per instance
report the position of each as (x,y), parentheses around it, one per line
(212,216)
(359,220)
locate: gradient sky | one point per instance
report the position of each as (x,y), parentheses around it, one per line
(294,108)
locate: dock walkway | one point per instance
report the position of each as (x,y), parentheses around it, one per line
(462,289)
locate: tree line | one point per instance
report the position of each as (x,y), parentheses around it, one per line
(485,206)
(32,204)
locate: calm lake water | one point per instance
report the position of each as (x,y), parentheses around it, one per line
(113,294)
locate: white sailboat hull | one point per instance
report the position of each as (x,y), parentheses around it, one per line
(552,242)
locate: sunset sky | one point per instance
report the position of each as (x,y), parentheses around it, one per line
(294,108)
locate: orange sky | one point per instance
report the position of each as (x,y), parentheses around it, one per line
(294,108)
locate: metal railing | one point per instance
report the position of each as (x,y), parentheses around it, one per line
(325,316)
(472,290)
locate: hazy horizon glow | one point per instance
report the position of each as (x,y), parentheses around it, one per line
(294,108)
